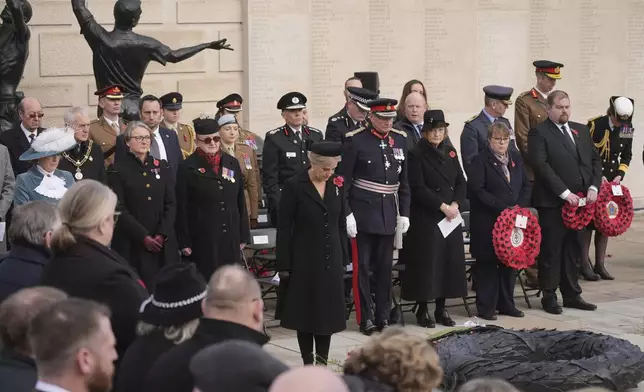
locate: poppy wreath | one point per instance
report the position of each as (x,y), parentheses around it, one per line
(515,247)
(575,217)
(613,214)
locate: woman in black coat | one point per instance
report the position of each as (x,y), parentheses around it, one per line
(212,221)
(312,252)
(435,265)
(144,234)
(83,265)
(497,180)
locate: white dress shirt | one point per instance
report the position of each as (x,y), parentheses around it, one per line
(159,140)
(113,124)
(47,387)
(28,133)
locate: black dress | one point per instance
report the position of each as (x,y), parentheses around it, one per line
(211,212)
(312,245)
(147,205)
(435,266)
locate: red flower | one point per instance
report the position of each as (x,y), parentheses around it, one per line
(391,141)
(575,132)
(452,154)
(513,164)
(156,162)
(338,181)
(202,170)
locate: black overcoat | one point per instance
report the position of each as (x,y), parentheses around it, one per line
(93,167)
(147,204)
(312,245)
(490,193)
(138,361)
(211,212)
(435,266)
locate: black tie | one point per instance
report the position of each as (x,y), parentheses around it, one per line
(31,138)
(571,144)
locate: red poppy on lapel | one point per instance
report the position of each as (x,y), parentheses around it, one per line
(156,162)
(391,141)
(185,138)
(575,132)
(141,283)
(202,170)
(338,181)
(513,165)
(452,154)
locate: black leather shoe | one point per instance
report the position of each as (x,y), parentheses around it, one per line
(382,325)
(551,306)
(368,328)
(601,271)
(513,313)
(423,320)
(444,319)
(578,303)
(490,317)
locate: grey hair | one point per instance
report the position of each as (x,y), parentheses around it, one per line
(319,160)
(497,127)
(70,115)
(131,126)
(30,222)
(177,334)
(487,385)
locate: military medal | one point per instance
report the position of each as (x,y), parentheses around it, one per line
(247,162)
(78,175)
(158,176)
(382,144)
(387,164)
(91,159)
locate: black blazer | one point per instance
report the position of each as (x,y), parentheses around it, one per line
(17,143)
(490,193)
(557,166)
(170,142)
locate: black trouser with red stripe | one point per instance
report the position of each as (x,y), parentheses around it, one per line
(375,256)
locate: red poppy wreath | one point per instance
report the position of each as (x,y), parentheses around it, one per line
(613,214)
(516,247)
(575,217)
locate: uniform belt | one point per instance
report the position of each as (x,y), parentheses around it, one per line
(376,187)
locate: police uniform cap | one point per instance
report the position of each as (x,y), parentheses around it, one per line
(232,103)
(622,107)
(113,91)
(205,126)
(361,97)
(327,148)
(292,101)
(434,118)
(500,93)
(383,107)
(171,101)
(552,69)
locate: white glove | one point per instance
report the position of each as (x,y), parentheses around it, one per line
(404,223)
(352,226)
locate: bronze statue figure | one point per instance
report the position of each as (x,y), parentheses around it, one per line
(14,50)
(121,56)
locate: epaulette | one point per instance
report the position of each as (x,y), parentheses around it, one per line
(523,94)
(398,131)
(274,131)
(595,118)
(471,118)
(355,132)
(313,129)
(337,118)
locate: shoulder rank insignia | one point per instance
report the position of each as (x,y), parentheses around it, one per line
(336,118)
(355,132)
(274,131)
(313,129)
(594,118)
(398,131)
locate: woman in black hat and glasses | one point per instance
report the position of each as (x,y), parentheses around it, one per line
(212,221)
(435,265)
(312,252)
(168,318)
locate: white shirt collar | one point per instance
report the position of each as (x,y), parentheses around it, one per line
(112,123)
(27,132)
(47,387)
(296,129)
(610,124)
(156,131)
(43,171)
(544,95)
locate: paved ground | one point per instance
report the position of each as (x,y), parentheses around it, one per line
(620,311)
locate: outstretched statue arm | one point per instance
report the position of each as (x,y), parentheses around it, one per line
(15,7)
(80,10)
(175,56)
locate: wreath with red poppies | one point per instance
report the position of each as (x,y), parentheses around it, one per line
(613,214)
(516,247)
(576,217)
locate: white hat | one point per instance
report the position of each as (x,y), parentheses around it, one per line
(50,142)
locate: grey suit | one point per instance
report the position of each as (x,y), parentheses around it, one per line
(27,182)
(474,137)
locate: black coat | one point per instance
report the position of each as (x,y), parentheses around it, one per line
(92,168)
(21,268)
(615,146)
(474,137)
(148,207)
(92,271)
(558,167)
(17,372)
(339,125)
(171,372)
(435,266)
(211,213)
(489,194)
(17,143)
(138,360)
(312,245)
(170,142)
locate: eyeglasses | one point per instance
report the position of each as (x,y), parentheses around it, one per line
(141,139)
(501,139)
(34,115)
(209,140)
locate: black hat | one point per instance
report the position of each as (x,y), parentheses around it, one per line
(327,148)
(205,126)
(383,107)
(232,103)
(177,296)
(622,107)
(370,80)
(552,69)
(361,96)
(292,101)
(434,119)
(500,93)
(171,101)
(113,91)
(238,366)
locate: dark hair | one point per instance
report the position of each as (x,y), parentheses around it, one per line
(555,96)
(18,311)
(149,98)
(406,91)
(57,332)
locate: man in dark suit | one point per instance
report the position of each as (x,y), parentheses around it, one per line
(164,144)
(352,117)
(18,139)
(566,164)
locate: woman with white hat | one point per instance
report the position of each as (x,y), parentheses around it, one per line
(43,181)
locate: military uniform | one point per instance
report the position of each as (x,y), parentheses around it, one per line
(248,163)
(186,136)
(615,146)
(375,173)
(104,135)
(342,123)
(85,161)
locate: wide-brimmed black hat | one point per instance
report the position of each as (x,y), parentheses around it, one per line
(434,119)
(177,297)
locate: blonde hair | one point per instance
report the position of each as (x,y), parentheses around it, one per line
(85,205)
(177,334)
(321,160)
(407,363)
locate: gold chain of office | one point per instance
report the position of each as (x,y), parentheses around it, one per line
(79,163)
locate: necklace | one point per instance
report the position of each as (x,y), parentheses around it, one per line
(78,163)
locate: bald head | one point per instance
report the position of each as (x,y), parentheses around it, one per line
(18,311)
(415,106)
(30,112)
(310,379)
